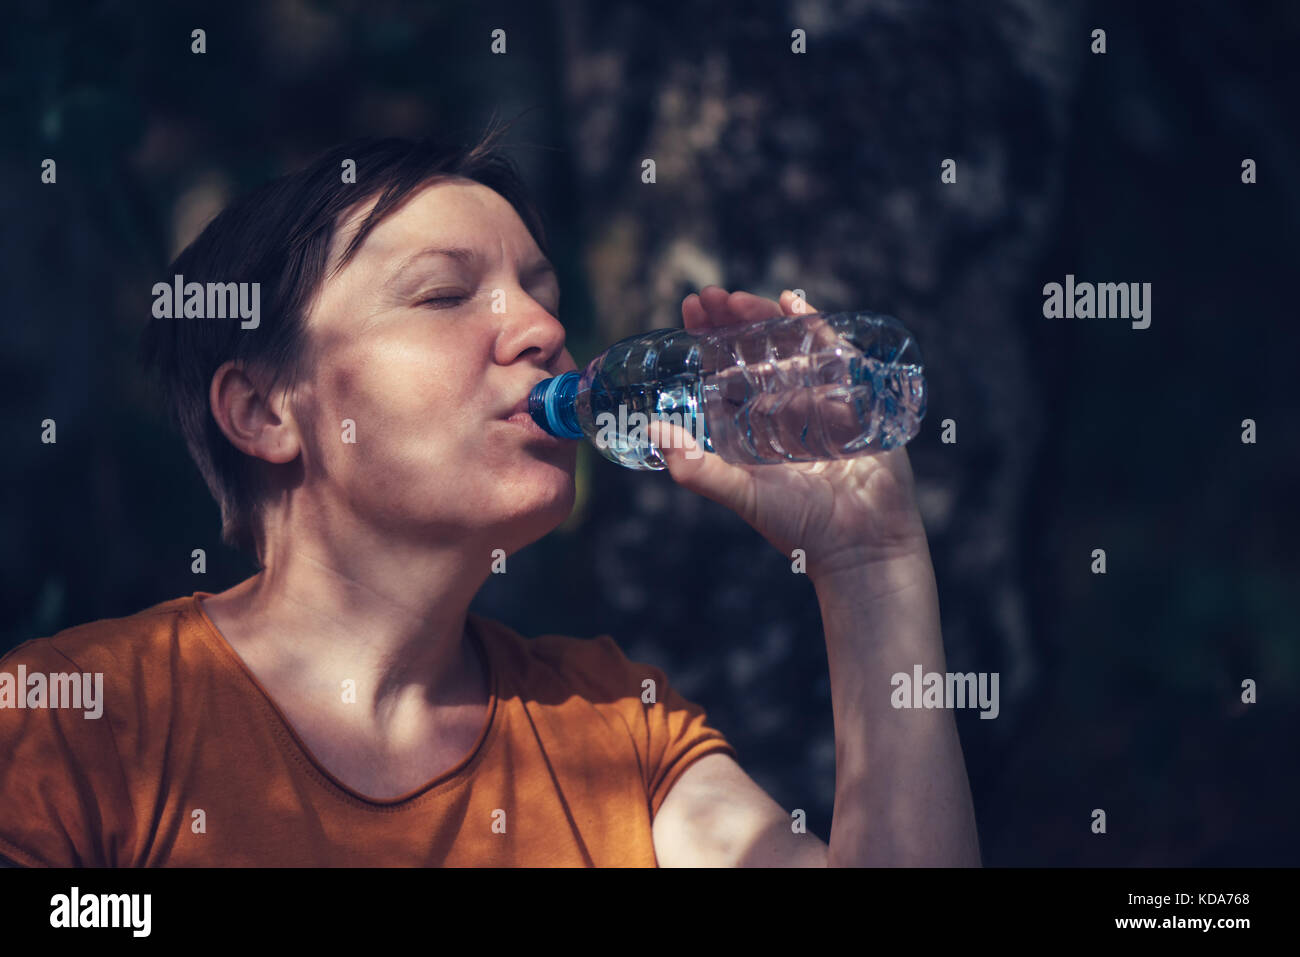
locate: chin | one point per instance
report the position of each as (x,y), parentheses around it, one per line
(561,503)
(545,485)
(527,526)
(560,465)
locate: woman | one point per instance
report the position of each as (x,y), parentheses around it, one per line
(342,706)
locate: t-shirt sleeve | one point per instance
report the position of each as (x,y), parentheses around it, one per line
(670,732)
(57,766)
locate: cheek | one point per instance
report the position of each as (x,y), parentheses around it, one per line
(387,383)
(404,407)
(343,383)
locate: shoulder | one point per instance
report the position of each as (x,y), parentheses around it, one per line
(133,669)
(71,706)
(590,667)
(107,644)
(636,699)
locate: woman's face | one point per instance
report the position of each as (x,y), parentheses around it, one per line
(427,352)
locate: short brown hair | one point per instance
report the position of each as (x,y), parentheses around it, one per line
(279,235)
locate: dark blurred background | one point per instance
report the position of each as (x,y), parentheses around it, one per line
(775,170)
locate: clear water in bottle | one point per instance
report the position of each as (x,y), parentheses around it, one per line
(802,388)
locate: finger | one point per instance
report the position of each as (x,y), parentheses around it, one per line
(702,472)
(714,301)
(793,305)
(693,314)
(747,307)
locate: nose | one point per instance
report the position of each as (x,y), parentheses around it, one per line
(529,327)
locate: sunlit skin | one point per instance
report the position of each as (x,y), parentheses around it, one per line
(901,792)
(844,515)
(373,550)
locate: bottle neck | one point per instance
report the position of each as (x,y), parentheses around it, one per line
(552,404)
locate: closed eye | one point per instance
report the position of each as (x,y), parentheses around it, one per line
(447,302)
(440,301)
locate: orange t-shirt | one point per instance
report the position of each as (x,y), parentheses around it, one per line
(569,769)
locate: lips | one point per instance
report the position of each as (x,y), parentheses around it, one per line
(522,404)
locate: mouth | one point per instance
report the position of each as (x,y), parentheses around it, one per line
(518,415)
(520,406)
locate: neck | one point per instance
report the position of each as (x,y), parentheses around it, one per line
(388,614)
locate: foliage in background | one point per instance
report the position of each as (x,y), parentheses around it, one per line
(774,170)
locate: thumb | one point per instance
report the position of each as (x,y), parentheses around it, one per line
(702,472)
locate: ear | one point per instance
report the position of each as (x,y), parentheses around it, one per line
(255,423)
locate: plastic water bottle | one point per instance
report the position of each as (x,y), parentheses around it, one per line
(802,388)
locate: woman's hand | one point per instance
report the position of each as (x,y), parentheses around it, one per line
(844,514)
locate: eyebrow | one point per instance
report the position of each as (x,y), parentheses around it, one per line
(465,256)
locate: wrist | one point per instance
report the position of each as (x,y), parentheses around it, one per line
(882,617)
(869,578)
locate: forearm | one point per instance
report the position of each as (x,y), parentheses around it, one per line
(901,792)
